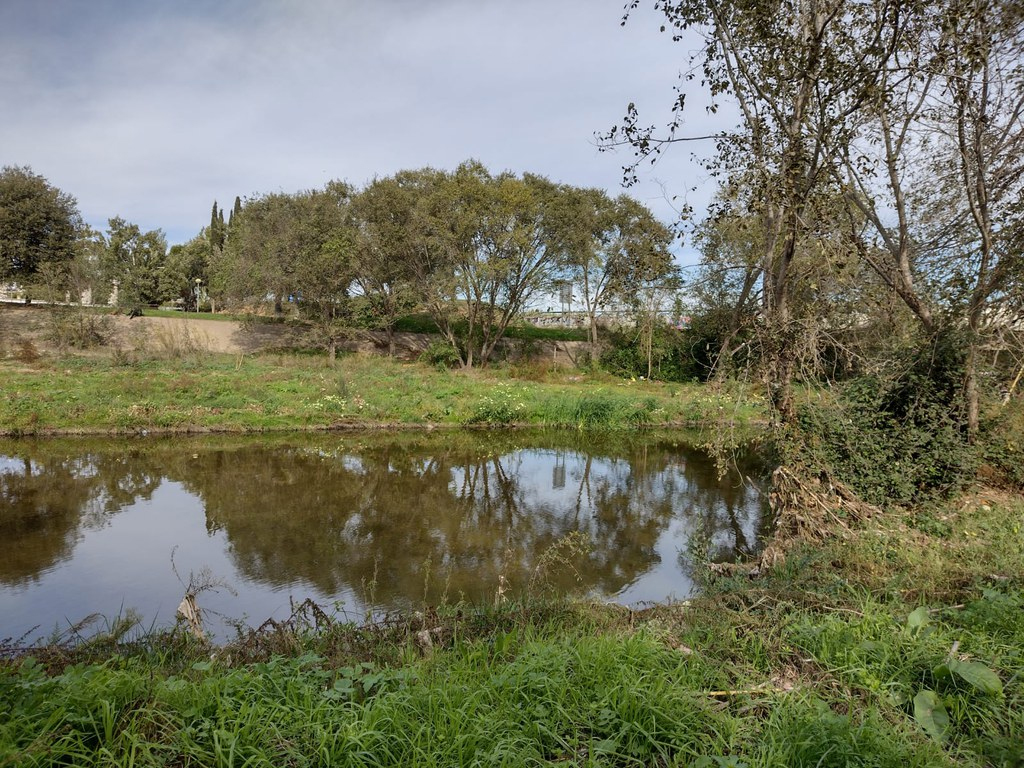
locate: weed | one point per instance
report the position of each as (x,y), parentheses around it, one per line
(78,328)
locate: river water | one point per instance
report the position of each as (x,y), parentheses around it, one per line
(361,523)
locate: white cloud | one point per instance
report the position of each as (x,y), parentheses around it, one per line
(152,110)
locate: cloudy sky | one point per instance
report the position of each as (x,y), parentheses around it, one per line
(153,109)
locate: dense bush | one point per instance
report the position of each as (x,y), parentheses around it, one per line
(898,439)
(440,355)
(671,359)
(1002,445)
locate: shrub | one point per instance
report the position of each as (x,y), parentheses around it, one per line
(671,359)
(78,328)
(440,354)
(900,439)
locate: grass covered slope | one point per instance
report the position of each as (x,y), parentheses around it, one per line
(892,642)
(220,392)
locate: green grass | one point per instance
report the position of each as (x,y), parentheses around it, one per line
(161,312)
(128,393)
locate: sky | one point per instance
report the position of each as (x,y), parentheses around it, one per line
(153,109)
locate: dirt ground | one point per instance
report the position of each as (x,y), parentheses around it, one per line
(20,324)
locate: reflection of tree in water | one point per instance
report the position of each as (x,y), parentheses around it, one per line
(418,521)
(48,494)
(727,512)
(416,516)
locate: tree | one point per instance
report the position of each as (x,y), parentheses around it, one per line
(235,210)
(389,239)
(185,273)
(798,73)
(983,53)
(488,250)
(946,128)
(293,246)
(216,232)
(324,269)
(39,224)
(611,247)
(134,260)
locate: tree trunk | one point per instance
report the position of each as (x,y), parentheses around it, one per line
(971,394)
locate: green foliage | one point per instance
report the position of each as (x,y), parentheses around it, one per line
(1002,444)
(134,260)
(440,355)
(39,224)
(671,356)
(922,669)
(184,277)
(898,440)
(417,323)
(275,392)
(503,406)
(930,713)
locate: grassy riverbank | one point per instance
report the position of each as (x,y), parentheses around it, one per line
(272,392)
(827,661)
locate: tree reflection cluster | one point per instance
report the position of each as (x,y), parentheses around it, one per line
(398,519)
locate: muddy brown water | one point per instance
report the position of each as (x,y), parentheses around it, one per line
(359,523)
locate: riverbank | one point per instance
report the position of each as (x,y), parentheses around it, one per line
(889,641)
(865,640)
(132,394)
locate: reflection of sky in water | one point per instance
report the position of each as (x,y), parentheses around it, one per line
(128,565)
(120,559)
(11,464)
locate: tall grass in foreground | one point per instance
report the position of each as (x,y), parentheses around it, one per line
(535,694)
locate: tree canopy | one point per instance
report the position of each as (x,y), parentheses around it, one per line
(39,224)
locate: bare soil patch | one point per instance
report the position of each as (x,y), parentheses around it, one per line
(20,324)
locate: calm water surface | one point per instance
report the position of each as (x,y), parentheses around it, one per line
(357,522)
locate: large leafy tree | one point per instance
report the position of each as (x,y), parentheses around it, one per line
(390,245)
(297,246)
(39,225)
(490,250)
